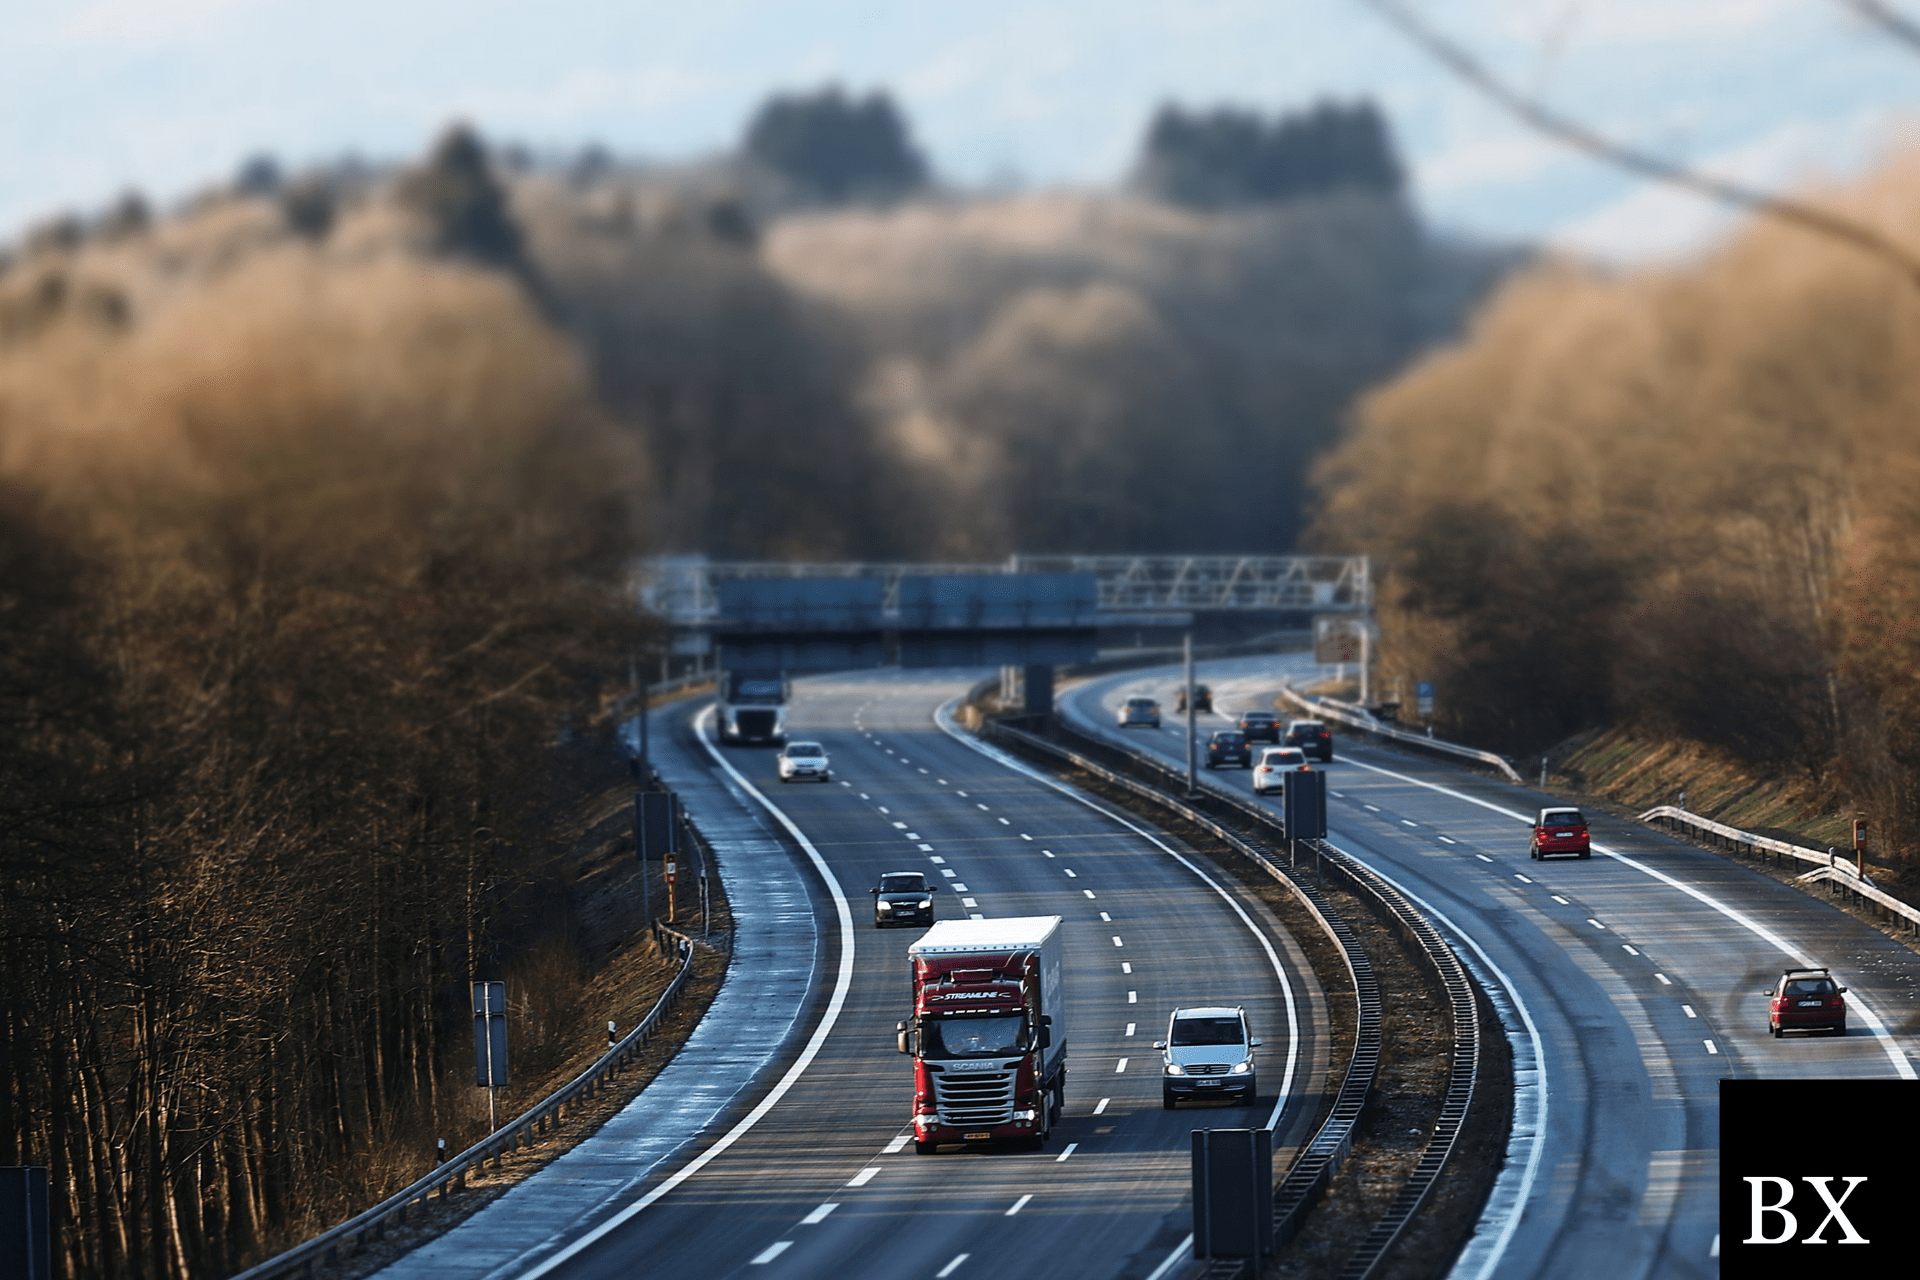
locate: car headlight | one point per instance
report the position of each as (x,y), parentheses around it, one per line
(886,906)
(1241,1068)
(926,904)
(1175,1069)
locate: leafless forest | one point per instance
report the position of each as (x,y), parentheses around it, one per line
(1684,500)
(316,500)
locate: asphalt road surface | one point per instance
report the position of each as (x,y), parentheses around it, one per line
(1637,972)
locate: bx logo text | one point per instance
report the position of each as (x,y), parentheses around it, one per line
(1768,1201)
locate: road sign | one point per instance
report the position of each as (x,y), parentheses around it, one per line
(1423,696)
(1303,798)
(490,1034)
(1336,639)
(673,870)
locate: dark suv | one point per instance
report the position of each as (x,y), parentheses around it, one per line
(1228,746)
(1260,726)
(1202,699)
(1557,832)
(1311,737)
(903,897)
(1807,1000)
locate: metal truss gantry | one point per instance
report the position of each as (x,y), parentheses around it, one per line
(681,588)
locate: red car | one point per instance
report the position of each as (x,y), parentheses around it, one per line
(1558,832)
(1807,1000)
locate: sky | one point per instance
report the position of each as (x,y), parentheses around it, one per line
(168,96)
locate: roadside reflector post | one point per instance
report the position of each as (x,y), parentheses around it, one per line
(1233,1193)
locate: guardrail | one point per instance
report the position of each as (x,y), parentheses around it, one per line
(1359,718)
(327,1247)
(1828,865)
(1313,1172)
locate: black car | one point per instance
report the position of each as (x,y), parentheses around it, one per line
(1310,736)
(1229,746)
(1260,726)
(903,897)
(1202,699)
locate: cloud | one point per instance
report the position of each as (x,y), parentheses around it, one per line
(149,22)
(1657,222)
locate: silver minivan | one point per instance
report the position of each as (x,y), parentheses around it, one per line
(1208,1053)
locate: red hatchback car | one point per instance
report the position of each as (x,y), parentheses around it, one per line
(1807,1000)
(1559,832)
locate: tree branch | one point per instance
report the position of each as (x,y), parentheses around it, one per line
(1889,19)
(1784,209)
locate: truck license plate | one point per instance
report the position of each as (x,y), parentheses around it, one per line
(976,1137)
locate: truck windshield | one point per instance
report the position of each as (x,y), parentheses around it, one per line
(759,691)
(973,1037)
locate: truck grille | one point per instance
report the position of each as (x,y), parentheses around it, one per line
(974,1098)
(755,724)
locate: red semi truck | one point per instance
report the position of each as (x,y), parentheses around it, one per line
(989,1031)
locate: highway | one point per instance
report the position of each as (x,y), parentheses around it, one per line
(1637,972)
(825,1182)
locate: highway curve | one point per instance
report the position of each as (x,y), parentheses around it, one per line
(1639,973)
(825,1183)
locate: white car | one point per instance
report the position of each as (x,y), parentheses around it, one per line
(804,760)
(1273,762)
(1208,1054)
(1140,711)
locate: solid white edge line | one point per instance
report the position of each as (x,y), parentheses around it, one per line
(944,718)
(842,981)
(1179,1251)
(1895,1054)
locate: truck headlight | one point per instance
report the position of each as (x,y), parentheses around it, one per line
(1175,1069)
(1241,1068)
(1025,1117)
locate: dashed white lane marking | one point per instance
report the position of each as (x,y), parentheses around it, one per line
(1131,1026)
(899,826)
(1518,876)
(1407,822)
(1595,923)
(1117,942)
(1048,852)
(1715,1251)
(897,1145)
(958,887)
(937,860)
(1710,1046)
(913,835)
(926,848)
(957,791)
(1562,901)
(865,796)
(1088,892)
(1002,821)
(948,872)
(820,1215)
(771,1252)
(1902,1065)
(1688,1010)
(1120,1066)
(863,1177)
(1133,997)
(1019,1204)
(1628,948)
(976,916)
(941,781)
(1374,807)
(1126,968)
(923,771)
(1338,795)
(978,805)
(1025,836)
(1101,1105)
(951,1267)
(1061,1158)
(1665,981)
(968,902)
(1447,840)
(1071,874)
(1104,916)
(1483,857)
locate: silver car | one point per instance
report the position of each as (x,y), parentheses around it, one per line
(1208,1053)
(1140,711)
(804,760)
